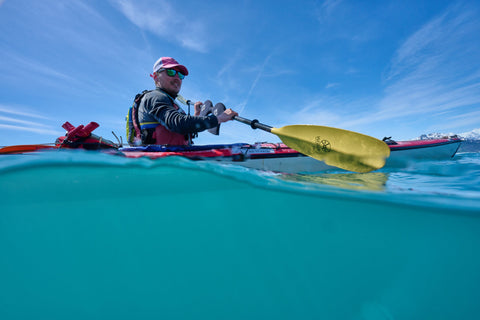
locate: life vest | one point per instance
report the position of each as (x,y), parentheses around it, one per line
(150,132)
(134,135)
(164,136)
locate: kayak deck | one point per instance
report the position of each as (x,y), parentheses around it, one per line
(280,158)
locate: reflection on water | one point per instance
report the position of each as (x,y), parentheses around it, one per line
(372,181)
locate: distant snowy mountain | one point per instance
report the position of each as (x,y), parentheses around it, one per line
(437,135)
(471,139)
(471,135)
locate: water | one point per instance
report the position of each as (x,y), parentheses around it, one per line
(94,236)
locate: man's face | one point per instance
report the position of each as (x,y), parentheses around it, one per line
(170,84)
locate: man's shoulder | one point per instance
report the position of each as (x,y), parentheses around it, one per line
(158,95)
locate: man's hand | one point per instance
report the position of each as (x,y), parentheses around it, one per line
(227,115)
(198,107)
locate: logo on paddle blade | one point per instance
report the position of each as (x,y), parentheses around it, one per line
(322,145)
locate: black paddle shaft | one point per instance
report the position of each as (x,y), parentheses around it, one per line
(255,124)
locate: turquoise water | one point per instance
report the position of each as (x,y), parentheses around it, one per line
(95,236)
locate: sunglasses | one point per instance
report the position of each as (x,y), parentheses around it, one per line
(172,73)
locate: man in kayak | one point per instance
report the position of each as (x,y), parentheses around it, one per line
(161,120)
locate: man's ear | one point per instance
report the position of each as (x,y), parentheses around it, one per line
(155,77)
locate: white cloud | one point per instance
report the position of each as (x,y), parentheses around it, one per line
(467,119)
(232,60)
(15,110)
(435,71)
(327,9)
(438,44)
(44,131)
(255,82)
(162,19)
(23,120)
(318,110)
(26,122)
(332,85)
(19,64)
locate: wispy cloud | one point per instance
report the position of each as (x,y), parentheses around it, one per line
(164,20)
(259,74)
(18,64)
(436,43)
(346,21)
(232,60)
(327,9)
(257,78)
(43,131)
(14,110)
(88,41)
(437,68)
(325,109)
(16,118)
(332,85)
(17,68)
(467,119)
(435,73)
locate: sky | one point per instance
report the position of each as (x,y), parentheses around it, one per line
(382,68)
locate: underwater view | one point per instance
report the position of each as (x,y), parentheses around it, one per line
(90,235)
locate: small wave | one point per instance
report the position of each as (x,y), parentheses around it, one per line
(436,184)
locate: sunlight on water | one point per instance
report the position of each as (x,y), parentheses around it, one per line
(86,235)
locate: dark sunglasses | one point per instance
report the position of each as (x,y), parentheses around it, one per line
(172,73)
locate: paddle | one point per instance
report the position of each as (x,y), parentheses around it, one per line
(336,147)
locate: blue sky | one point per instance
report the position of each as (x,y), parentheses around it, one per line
(383,68)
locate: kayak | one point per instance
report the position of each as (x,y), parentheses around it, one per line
(278,157)
(403,152)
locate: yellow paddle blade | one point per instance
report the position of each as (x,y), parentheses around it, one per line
(336,147)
